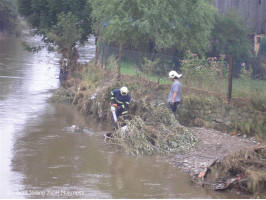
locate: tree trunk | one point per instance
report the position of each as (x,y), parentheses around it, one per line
(140,60)
(230,77)
(97,47)
(74,58)
(119,61)
(103,50)
(220,78)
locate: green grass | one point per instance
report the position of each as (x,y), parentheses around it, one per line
(129,69)
(242,88)
(249,89)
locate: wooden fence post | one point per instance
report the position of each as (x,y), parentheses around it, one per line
(103,50)
(230,78)
(119,61)
(97,50)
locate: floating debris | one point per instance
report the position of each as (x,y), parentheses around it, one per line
(75,129)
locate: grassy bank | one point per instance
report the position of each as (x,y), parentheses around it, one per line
(152,128)
(245,89)
(247,117)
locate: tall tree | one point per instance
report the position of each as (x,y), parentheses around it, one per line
(230,36)
(184,24)
(181,24)
(114,20)
(46,17)
(65,34)
(8,16)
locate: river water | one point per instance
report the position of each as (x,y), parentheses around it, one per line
(42,158)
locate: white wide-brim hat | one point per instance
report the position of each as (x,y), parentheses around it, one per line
(178,75)
(173,74)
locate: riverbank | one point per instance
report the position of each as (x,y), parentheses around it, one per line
(89,90)
(213,145)
(202,161)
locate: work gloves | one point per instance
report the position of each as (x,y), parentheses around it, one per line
(113,109)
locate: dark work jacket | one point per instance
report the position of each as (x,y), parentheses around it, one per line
(122,101)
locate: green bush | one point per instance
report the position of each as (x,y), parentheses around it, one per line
(199,71)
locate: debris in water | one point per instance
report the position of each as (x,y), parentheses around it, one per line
(94,96)
(75,129)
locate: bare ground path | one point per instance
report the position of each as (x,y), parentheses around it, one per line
(212,145)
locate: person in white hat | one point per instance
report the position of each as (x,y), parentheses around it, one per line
(174,97)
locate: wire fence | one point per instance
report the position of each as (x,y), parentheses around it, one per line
(171,62)
(142,63)
(136,59)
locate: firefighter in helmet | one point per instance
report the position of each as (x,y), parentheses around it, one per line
(120,100)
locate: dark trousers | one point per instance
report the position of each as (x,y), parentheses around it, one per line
(173,106)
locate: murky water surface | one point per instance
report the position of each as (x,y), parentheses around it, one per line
(42,158)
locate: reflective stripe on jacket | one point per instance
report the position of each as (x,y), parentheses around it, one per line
(123,101)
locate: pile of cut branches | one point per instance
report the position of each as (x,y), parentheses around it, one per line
(157,131)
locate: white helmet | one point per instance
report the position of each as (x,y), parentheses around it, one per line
(124,91)
(173,74)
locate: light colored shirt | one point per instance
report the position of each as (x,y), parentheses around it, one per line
(176,87)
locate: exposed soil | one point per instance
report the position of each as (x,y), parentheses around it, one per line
(213,145)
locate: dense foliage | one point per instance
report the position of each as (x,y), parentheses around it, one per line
(8,16)
(230,36)
(153,25)
(169,24)
(62,24)
(195,69)
(43,14)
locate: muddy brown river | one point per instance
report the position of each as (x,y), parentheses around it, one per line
(42,158)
